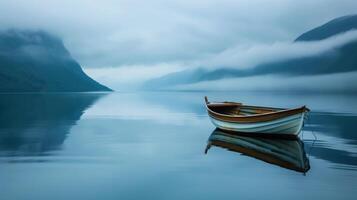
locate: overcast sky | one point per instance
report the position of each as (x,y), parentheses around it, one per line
(113,33)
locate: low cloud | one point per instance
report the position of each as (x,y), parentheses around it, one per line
(132,76)
(238,58)
(341,82)
(241,57)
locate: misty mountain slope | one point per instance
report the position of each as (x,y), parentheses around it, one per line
(336,60)
(35,61)
(331,28)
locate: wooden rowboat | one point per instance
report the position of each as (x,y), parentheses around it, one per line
(289,154)
(256,120)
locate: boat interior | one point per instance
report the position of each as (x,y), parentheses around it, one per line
(238,109)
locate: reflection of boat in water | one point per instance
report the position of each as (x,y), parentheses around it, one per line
(232,116)
(289,154)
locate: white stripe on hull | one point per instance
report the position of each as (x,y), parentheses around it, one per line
(290,125)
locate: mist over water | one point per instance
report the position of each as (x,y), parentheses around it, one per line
(244,68)
(328,83)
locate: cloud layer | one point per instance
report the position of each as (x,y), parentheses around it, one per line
(240,57)
(130,77)
(342,82)
(130,32)
(245,62)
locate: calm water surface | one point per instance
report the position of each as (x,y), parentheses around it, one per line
(152,146)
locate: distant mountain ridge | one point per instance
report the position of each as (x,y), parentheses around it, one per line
(331,28)
(341,59)
(36,61)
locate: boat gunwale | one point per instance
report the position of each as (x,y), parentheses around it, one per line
(254,118)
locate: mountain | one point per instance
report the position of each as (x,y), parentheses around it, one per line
(36,61)
(340,59)
(331,28)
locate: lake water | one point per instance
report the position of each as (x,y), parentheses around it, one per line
(151,145)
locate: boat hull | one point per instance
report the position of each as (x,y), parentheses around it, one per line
(289,125)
